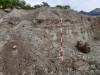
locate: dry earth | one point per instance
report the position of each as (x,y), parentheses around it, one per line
(30,42)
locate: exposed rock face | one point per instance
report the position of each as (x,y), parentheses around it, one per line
(30,43)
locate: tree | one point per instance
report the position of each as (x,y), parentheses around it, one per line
(37,6)
(5,3)
(45,4)
(28,6)
(22,4)
(66,7)
(59,6)
(63,7)
(13,4)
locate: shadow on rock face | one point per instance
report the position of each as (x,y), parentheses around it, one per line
(83,47)
(15,58)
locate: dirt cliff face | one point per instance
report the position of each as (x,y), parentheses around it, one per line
(30,42)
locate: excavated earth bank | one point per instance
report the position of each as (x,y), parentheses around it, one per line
(30,42)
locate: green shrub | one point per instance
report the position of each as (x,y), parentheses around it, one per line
(37,6)
(63,7)
(14,4)
(45,4)
(59,6)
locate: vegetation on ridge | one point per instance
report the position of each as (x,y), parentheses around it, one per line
(63,7)
(13,4)
(22,4)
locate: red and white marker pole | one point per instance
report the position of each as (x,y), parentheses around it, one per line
(61,52)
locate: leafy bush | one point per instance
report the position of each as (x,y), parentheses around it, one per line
(59,6)
(45,4)
(9,3)
(13,4)
(66,7)
(28,6)
(63,7)
(22,4)
(37,6)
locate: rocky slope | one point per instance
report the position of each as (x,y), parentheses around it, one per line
(30,42)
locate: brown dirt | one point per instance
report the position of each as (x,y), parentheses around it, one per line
(30,43)
(15,57)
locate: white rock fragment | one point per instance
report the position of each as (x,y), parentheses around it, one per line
(14,46)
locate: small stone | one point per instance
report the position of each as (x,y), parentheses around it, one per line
(52,72)
(14,46)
